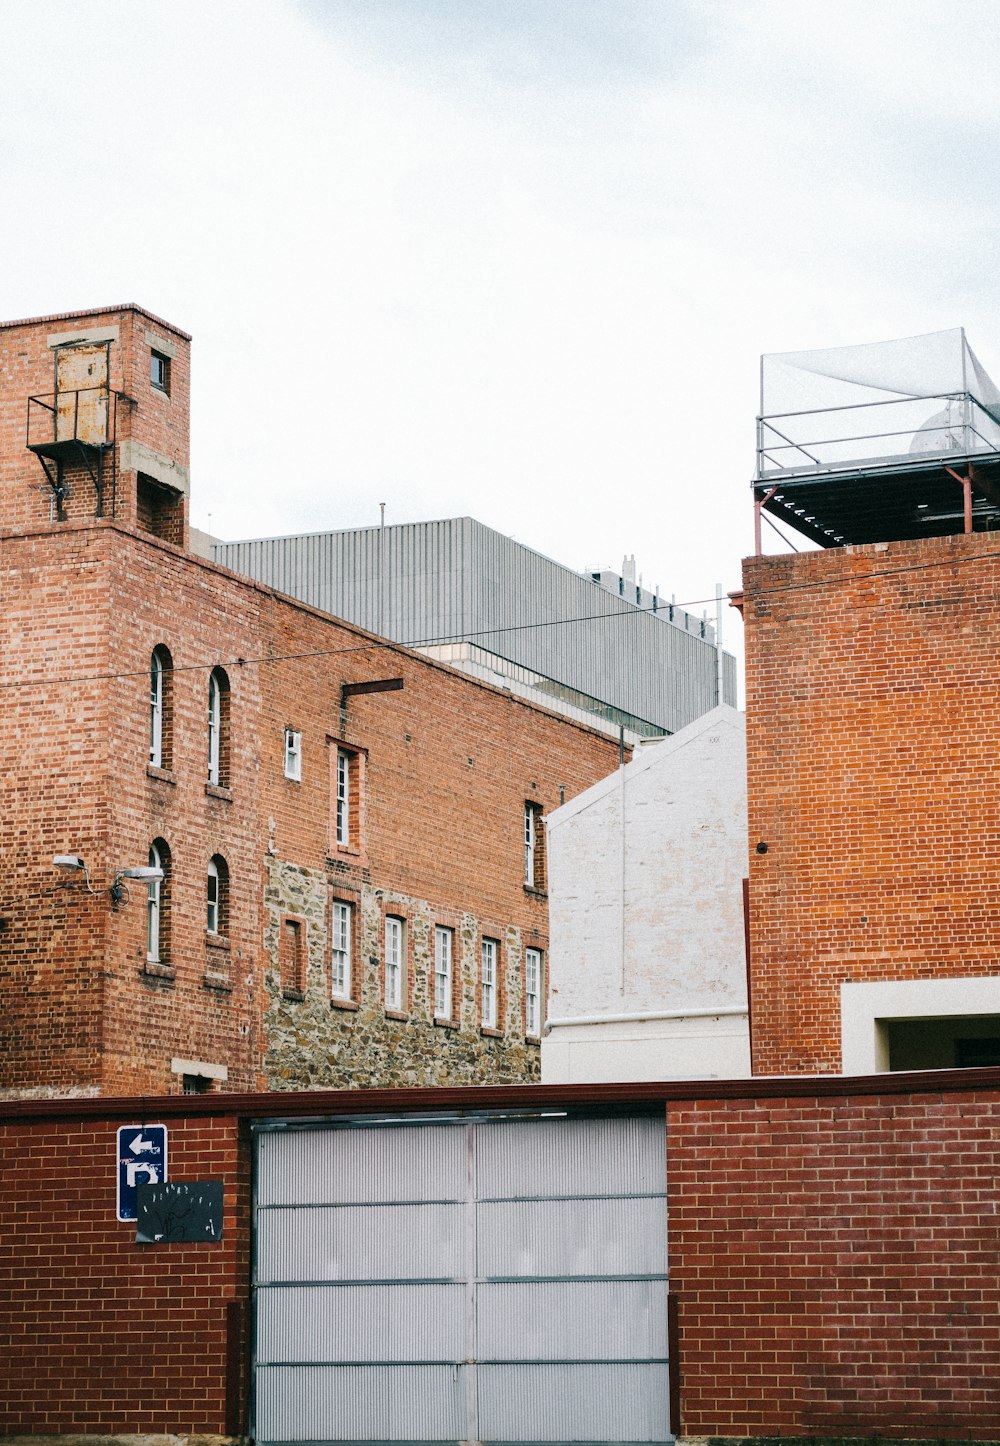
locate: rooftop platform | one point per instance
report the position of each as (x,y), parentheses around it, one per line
(888,441)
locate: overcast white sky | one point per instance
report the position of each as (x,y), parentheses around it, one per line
(512,258)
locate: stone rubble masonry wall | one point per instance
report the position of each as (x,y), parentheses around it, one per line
(316,1044)
(832,1257)
(450,763)
(873,777)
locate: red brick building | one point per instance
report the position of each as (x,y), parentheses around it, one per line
(873,672)
(347,893)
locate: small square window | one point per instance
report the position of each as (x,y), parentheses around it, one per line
(159,371)
(293,755)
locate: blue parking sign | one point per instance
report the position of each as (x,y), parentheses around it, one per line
(142,1160)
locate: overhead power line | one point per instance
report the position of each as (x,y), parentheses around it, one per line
(374,644)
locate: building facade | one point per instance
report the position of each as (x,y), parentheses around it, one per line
(597,646)
(348,861)
(872,672)
(648,969)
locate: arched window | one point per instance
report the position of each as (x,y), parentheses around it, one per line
(161,720)
(158,906)
(218,728)
(217,912)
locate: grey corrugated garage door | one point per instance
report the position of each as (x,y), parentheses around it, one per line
(475,1280)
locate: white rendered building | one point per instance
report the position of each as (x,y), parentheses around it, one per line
(647,948)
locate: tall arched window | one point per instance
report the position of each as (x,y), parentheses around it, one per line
(217,911)
(158,906)
(161,707)
(218,728)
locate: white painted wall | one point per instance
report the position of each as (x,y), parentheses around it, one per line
(645,875)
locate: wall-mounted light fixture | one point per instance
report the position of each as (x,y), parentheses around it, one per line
(116,890)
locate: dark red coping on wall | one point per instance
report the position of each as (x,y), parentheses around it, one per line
(324,1104)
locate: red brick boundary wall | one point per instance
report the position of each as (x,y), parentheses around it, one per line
(834,1249)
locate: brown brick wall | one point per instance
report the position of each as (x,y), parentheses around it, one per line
(101,1335)
(833,1256)
(145,414)
(449,763)
(835,1265)
(872,679)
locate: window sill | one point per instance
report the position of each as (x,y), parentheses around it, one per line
(490,1032)
(217,941)
(336,1003)
(163,775)
(445,1023)
(155,970)
(295,996)
(536,893)
(532,1039)
(220,983)
(402,1015)
(215,790)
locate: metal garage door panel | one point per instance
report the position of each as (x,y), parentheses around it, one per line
(567,1403)
(380,1163)
(578,1320)
(345,1242)
(361,1323)
(532,1158)
(361,1403)
(572,1237)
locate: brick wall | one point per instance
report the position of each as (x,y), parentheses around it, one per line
(872,678)
(449,766)
(835,1265)
(102,1335)
(833,1257)
(157,420)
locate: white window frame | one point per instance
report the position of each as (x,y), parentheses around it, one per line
(156,710)
(341,931)
(489,958)
(212,898)
(343,798)
(293,755)
(533,993)
(395,955)
(444,948)
(154,902)
(214,729)
(530,844)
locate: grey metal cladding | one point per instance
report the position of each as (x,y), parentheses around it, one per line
(571,1237)
(575,1320)
(361,1324)
(529,1158)
(367,1403)
(346,1242)
(390,1163)
(456,579)
(585,1402)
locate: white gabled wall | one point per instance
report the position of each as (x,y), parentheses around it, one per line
(645,875)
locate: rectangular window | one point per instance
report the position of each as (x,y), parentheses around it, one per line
(533,993)
(293,958)
(394,962)
(293,755)
(534,848)
(212,920)
(488,982)
(442,973)
(159,371)
(343,798)
(341,953)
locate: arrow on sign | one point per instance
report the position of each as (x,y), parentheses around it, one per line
(138,1146)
